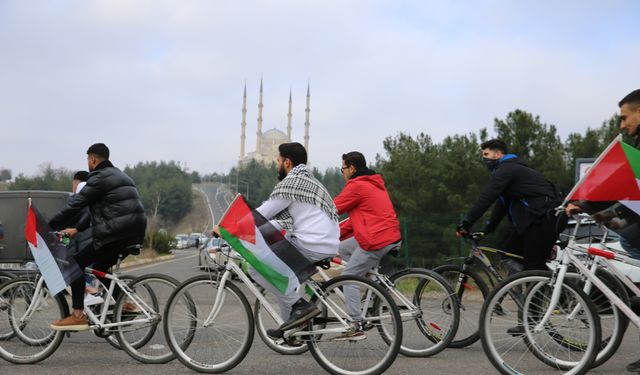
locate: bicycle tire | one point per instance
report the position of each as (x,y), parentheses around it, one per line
(198,312)
(138,349)
(349,355)
(111,338)
(522,288)
(260,316)
(469,300)
(17,351)
(438,314)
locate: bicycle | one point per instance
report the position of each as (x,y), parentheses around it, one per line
(224,324)
(424,299)
(470,286)
(133,319)
(553,299)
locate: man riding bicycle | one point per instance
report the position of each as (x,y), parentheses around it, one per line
(301,205)
(526,197)
(117,221)
(371,231)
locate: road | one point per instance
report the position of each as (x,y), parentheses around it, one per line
(217,196)
(84,353)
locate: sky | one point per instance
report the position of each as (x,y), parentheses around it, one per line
(163,80)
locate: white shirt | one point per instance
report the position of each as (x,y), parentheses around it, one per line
(312,227)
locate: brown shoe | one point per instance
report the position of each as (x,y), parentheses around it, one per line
(130,308)
(71,323)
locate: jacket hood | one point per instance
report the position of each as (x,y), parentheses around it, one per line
(513,160)
(375,180)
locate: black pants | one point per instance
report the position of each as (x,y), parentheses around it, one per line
(101,259)
(534,244)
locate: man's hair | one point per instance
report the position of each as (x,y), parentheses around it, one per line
(633,99)
(354,158)
(100,150)
(494,144)
(293,151)
(81,176)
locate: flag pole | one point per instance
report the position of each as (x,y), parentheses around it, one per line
(595,163)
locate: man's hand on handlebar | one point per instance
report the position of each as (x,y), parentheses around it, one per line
(462,229)
(70,232)
(572,209)
(216,231)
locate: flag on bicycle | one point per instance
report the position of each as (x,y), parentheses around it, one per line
(54,262)
(610,190)
(264,247)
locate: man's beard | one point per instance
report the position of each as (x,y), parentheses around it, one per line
(281,174)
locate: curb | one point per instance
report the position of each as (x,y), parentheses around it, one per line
(147,261)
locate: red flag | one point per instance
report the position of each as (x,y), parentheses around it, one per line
(30,228)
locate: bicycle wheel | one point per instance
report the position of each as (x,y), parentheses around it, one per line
(205,340)
(471,291)
(612,321)
(522,300)
(7,332)
(426,301)
(109,336)
(373,352)
(265,321)
(30,316)
(143,341)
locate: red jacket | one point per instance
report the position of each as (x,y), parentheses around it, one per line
(372,219)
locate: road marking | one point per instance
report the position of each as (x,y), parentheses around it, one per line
(161,263)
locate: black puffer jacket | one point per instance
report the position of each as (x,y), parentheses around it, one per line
(116,211)
(521,192)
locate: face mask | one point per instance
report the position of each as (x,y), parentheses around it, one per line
(491,164)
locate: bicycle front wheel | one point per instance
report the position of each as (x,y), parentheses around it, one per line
(204,339)
(509,323)
(29,314)
(332,342)
(140,316)
(429,310)
(471,291)
(265,321)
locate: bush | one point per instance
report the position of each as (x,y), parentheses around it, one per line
(160,241)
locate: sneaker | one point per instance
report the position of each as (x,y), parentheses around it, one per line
(90,299)
(300,313)
(634,367)
(351,336)
(516,331)
(275,334)
(71,323)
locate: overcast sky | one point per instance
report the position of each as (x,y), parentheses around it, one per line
(163,80)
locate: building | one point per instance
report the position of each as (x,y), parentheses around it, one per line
(267,143)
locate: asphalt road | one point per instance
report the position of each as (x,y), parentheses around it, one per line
(218,198)
(84,353)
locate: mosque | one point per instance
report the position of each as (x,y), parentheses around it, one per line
(267,143)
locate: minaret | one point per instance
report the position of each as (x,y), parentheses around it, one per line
(306,121)
(243,124)
(259,131)
(289,118)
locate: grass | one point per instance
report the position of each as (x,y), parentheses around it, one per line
(196,221)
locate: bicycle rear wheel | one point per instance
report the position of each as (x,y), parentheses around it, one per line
(426,302)
(471,291)
(264,321)
(520,301)
(205,340)
(145,341)
(370,354)
(34,339)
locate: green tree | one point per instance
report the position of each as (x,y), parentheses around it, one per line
(48,178)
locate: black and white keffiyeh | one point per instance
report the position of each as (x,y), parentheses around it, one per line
(301,186)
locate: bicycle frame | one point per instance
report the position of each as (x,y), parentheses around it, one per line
(232,268)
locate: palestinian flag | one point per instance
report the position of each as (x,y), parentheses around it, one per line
(55,264)
(610,190)
(264,247)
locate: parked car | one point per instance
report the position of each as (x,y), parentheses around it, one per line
(182,241)
(590,234)
(197,240)
(216,252)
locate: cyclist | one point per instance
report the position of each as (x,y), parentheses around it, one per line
(371,231)
(301,205)
(526,197)
(613,211)
(117,221)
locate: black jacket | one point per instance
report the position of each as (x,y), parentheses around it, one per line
(519,191)
(116,211)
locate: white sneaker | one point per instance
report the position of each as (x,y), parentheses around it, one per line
(90,299)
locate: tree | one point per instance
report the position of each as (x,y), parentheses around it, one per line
(47,178)
(5,174)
